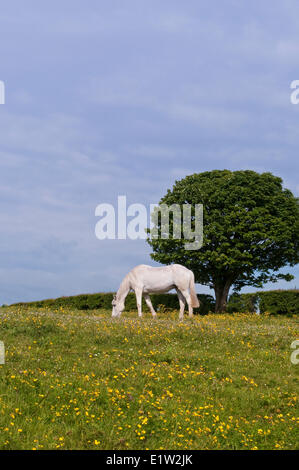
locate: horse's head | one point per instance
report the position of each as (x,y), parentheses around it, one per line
(117,307)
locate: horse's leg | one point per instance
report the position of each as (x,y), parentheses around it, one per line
(187,296)
(182,301)
(149,304)
(138,293)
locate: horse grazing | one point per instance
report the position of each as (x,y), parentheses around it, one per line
(145,280)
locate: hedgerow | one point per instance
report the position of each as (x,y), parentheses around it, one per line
(103,300)
(276,302)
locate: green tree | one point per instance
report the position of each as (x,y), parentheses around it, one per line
(250,225)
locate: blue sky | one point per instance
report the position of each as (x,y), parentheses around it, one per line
(105,98)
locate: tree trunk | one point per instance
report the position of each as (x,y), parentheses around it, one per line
(221,294)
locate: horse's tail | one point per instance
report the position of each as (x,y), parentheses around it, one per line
(194,299)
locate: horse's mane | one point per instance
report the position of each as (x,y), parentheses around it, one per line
(124,286)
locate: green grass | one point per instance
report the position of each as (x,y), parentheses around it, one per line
(75,380)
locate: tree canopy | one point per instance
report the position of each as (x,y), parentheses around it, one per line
(250,230)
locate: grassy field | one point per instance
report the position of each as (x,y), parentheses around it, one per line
(76,380)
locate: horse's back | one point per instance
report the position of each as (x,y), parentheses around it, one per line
(147,267)
(152,279)
(159,278)
(174,268)
(168,266)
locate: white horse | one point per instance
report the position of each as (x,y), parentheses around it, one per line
(145,280)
